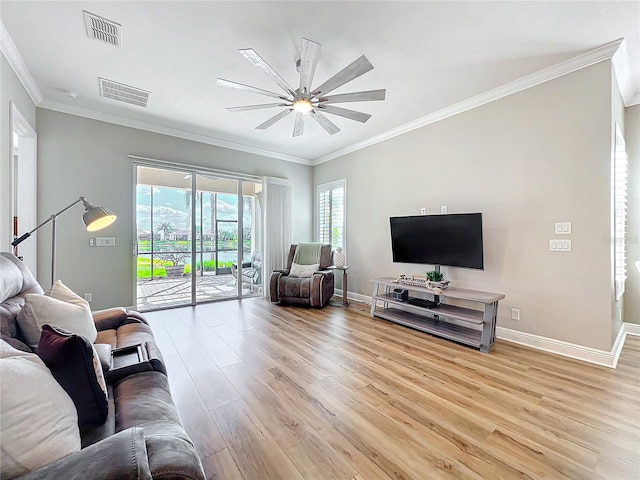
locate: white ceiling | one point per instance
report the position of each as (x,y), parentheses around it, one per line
(428,55)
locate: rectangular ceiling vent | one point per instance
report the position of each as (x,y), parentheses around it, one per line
(123,93)
(102,29)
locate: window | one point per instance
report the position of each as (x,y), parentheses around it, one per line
(620,213)
(332,213)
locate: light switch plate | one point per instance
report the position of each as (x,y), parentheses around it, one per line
(105,241)
(559,245)
(563,228)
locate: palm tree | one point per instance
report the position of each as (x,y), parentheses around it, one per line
(166,228)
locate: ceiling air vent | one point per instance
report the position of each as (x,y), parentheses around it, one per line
(123,93)
(102,29)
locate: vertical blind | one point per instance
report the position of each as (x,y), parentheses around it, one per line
(331,213)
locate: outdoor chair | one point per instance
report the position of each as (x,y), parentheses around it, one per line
(251,271)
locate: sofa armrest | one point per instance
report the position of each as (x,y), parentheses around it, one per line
(112,318)
(122,456)
(284,271)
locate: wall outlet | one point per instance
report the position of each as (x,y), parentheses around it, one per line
(443,209)
(88,297)
(515,314)
(423,211)
(92,242)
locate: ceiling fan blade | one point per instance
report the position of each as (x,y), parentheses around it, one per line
(325,123)
(246,108)
(367,96)
(298,127)
(251,55)
(346,113)
(308,61)
(274,119)
(241,86)
(350,72)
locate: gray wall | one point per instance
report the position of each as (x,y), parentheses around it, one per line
(526,161)
(78,156)
(11,90)
(632,138)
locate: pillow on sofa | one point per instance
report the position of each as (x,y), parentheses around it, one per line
(60,291)
(38,421)
(76,366)
(303,271)
(41,309)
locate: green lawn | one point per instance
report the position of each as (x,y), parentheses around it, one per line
(144,267)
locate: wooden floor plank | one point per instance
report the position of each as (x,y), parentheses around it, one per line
(255,451)
(273,392)
(221,466)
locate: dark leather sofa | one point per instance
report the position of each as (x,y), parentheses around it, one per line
(143,437)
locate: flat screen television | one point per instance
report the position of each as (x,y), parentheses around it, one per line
(452,239)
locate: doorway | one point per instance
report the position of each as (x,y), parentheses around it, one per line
(198,235)
(23,185)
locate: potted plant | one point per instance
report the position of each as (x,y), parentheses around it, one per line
(176,269)
(436,279)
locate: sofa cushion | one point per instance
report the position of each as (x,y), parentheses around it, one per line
(16,281)
(294,287)
(76,366)
(38,421)
(41,309)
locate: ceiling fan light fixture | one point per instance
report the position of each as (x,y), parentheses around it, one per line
(302,105)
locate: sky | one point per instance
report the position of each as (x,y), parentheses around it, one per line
(169,206)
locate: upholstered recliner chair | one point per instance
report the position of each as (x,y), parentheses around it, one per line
(306,280)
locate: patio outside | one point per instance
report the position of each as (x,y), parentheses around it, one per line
(166,292)
(180,214)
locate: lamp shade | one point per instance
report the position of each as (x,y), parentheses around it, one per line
(97,218)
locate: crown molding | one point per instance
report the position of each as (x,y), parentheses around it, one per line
(17,64)
(597,55)
(169,131)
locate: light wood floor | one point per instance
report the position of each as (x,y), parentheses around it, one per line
(271,392)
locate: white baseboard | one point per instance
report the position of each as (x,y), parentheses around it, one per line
(572,350)
(356,297)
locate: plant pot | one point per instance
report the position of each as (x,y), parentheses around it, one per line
(174,270)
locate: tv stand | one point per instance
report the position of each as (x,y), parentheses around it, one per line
(476,328)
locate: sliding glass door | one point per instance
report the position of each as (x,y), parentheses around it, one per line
(197,237)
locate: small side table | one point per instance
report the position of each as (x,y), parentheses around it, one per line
(345,302)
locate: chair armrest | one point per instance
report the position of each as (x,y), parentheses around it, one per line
(114,317)
(122,456)
(323,272)
(284,271)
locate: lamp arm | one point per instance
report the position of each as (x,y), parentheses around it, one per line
(21,239)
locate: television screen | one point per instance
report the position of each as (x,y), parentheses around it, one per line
(454,240)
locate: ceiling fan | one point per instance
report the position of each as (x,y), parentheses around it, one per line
(304,100)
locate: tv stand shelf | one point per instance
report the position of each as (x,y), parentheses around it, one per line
(476,328)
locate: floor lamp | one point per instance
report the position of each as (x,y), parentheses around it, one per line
(95,218)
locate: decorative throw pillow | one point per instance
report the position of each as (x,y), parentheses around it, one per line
(76,366)
(303,271)
(60,291)
(38,421)
(42,309)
